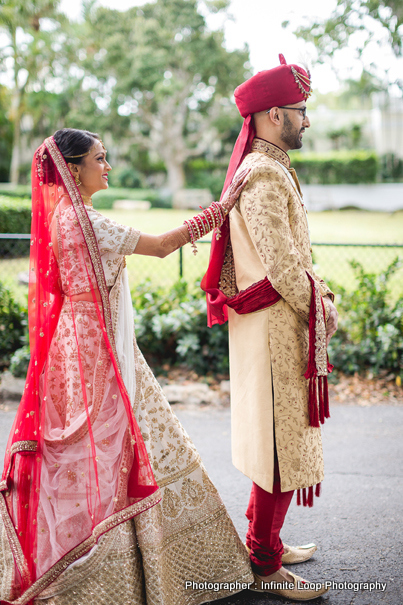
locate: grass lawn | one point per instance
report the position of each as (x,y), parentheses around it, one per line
(347,227)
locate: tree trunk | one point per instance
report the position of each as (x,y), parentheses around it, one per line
(176,175)
(15,158)
(16,116)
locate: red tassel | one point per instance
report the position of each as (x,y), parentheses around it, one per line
(310,496)
(307,495)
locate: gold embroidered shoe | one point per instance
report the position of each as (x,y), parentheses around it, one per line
(298,554)
(295,554)
(297,590)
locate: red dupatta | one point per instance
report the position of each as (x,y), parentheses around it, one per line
(76,465)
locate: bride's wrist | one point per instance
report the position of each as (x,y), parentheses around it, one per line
(201,224)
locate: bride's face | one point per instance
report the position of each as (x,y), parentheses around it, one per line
(93,170)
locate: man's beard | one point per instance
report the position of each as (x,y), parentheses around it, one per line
(290,135)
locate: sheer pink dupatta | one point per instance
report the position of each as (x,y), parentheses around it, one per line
(76,465)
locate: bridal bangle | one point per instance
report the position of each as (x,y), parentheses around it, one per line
(201,224)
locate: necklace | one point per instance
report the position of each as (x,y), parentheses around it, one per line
(87,200)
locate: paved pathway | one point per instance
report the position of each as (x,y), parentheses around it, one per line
(357,522)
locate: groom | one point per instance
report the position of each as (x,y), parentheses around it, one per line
(281,318)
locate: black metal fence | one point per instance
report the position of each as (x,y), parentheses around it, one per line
(332,262)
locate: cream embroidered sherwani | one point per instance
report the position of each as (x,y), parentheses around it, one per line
(269,348)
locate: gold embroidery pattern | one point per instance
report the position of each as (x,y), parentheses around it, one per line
(18,446)
(189,531)
(181,473)
(113,574)
(275,220)
(114,241)
(23,446)
(270,150)
(320,342)
(13,540)
(227,283)
(6,566)
(103,527)
(114,294)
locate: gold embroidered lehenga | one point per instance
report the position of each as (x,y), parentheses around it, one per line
(84,519)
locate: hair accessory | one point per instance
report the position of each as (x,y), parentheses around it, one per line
(81,155)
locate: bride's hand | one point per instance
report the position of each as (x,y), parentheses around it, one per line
(234,190)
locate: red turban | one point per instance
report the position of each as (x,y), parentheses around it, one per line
(282,85)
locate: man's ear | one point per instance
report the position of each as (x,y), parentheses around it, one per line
(274,115)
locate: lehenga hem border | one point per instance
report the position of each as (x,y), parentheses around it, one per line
(13,540)
(80,550)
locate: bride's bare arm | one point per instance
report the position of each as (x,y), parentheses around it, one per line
(162,245)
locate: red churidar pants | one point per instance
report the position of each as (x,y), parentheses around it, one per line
(266,513)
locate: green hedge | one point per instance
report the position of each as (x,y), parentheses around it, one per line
(370,332)
(203,174)
(391,168)
(13,325)
(15,190)
(103,200)
(15,215)
(338,167)
(171,328)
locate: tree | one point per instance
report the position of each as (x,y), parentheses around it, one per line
(30,29)
(162,68)
(6,134)
(372,20)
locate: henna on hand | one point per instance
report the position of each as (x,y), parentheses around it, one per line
(234,190)
(175,239)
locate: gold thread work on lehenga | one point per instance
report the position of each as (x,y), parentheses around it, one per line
(80,550)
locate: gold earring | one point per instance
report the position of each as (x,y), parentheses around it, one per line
(77,180)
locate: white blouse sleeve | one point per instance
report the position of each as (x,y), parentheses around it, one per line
(111,236)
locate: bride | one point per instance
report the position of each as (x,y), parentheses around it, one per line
(103,497)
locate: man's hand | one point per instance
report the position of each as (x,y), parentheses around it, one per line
(331,324)
(234,190)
